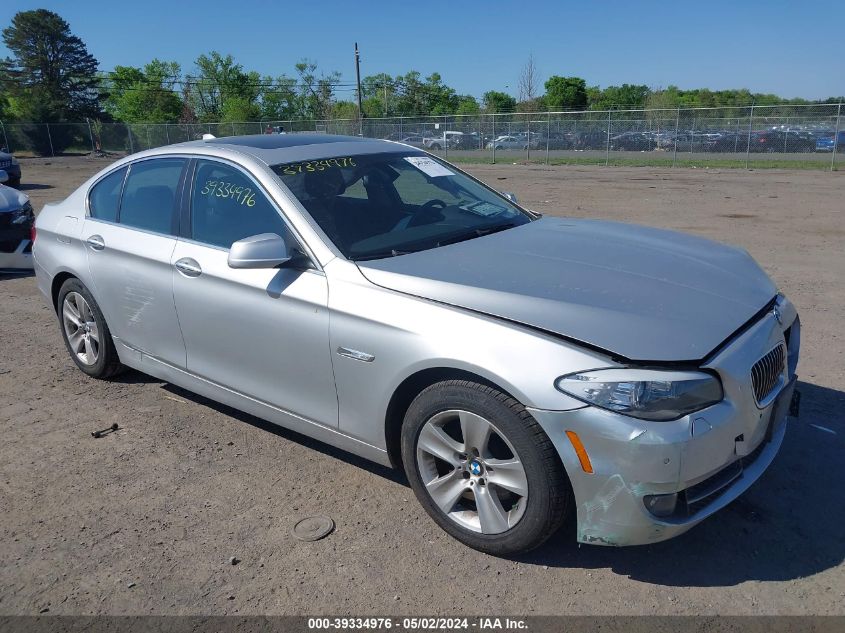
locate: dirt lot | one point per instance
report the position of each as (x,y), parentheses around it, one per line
(146,519)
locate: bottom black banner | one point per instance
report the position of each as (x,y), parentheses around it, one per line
(408,624)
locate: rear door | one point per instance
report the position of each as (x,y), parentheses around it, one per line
(261,332)
(130,234)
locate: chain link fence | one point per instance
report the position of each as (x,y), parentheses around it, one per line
(811,136)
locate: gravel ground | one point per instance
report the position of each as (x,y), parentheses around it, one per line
(146,520)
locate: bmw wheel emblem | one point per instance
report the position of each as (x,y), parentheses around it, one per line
(475,468)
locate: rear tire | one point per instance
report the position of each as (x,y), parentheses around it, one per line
(501,495)
(85,333)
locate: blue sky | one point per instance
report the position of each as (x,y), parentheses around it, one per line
(788,48)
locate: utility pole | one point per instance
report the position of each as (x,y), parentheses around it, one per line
(358,76)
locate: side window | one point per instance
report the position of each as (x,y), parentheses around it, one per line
(227,207)
(149,196)
(104,198)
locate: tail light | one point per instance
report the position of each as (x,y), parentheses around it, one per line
(32,233)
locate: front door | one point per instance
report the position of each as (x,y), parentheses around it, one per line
(261,332)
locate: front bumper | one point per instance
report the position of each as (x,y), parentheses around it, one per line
(709,458)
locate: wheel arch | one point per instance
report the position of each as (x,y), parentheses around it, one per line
(408,389)
(56,285)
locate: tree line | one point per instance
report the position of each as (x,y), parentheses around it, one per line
(51,77)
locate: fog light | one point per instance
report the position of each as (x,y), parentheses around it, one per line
(661,505)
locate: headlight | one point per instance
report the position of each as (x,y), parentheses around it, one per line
(15,161)
(24,214)
(648,394)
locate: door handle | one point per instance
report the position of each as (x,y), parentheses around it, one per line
(96,242)
(188,267)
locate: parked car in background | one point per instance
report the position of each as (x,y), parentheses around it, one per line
(444,140)
(554,140)
(521,369)
(12,167)
(591,139)
(827,143)
(414,140)
(472,140)
(507,142)
(633,141)
(694,141)
(16,222)
(730,143)
(777,141)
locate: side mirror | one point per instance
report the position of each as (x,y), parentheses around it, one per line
(266,250)
(510,196)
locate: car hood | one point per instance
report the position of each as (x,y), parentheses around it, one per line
(641,293)
(11,199)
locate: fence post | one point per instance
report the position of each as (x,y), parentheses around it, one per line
(5,140)
(493,140)
(750,126)
(675,139)
(736,139)
(607,144)
(445,138)
(129,136)
(50,138)
(90,135)
(548,134)
(692,134)
(835,138)
(528,138)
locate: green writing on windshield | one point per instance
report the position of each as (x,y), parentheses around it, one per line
(317,165)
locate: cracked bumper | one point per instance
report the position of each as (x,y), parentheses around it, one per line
(610,506)
(709,458)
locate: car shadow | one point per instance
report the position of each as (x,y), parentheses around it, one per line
(8,275)
(33,187)
(786,526)
(391,474)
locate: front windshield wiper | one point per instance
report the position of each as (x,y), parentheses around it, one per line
(477,232)
(454,239)
(380,255)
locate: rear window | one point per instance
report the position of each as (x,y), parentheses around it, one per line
(149,197)
(104,199)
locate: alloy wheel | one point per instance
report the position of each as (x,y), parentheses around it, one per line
(472,472)
(83,335)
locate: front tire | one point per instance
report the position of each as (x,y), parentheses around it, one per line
(483,468)
(85,333)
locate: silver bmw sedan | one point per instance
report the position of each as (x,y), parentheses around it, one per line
(372,296)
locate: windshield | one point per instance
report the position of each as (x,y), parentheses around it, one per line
(382,205)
